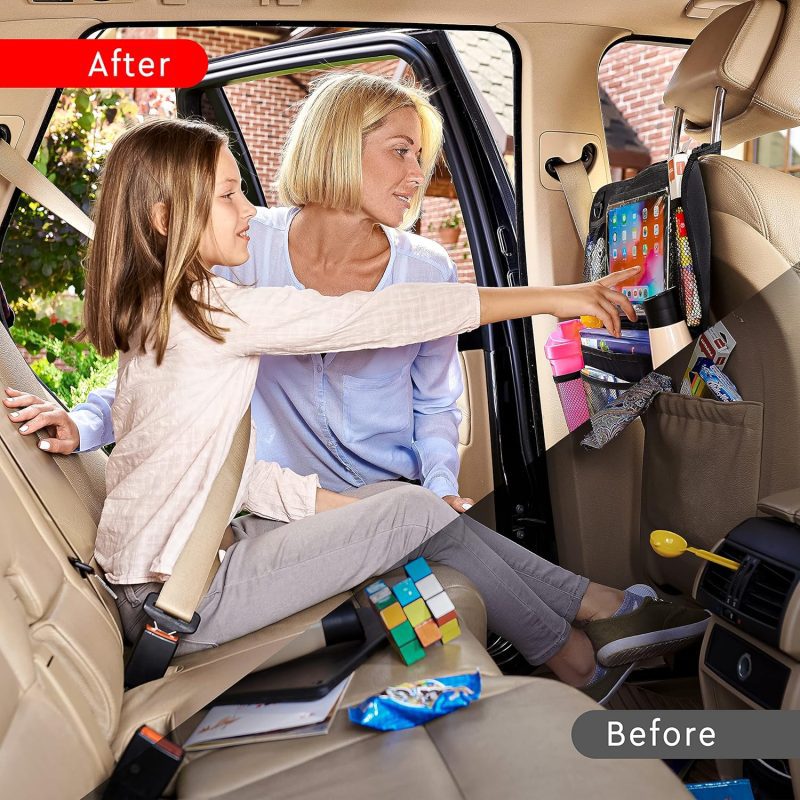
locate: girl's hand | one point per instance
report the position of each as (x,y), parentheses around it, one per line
(36,414)
(597,299)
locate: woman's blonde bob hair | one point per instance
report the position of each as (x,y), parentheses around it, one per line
(135,275)
(322,157)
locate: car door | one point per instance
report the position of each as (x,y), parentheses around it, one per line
(502,444)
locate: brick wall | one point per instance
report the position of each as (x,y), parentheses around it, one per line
(635,76)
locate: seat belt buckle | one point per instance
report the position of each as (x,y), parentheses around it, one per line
(145,768)
(156,645)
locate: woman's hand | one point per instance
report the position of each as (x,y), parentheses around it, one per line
(597,299)
(328,500)
(37,414)
(460,504)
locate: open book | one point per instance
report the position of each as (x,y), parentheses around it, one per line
(224,726)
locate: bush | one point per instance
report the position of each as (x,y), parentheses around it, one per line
(85,369)
(42,255)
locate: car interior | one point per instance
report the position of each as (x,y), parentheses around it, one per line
(724,475)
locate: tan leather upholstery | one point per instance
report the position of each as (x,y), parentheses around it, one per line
(753,52)
(784,505)
(755,237)
(514,742)
(476,475)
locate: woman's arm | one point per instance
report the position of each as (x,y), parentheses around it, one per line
(437,385)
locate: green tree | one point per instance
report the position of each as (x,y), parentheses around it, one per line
(41,254)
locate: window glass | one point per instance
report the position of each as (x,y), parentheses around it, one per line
(41,258)
(632,79)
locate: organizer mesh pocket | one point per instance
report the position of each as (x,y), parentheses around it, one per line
(599,394)
(595,260)
(573,401)
(684,267)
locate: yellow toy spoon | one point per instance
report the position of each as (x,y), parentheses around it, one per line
(671,545)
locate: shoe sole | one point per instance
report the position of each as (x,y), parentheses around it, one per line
(649,645)
(615,688)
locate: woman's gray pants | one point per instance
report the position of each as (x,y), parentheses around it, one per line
(276,569)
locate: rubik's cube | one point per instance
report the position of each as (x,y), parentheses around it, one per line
(417,612)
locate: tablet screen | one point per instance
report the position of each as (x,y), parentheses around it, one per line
(637,236)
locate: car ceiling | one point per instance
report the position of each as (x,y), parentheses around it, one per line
(657,17)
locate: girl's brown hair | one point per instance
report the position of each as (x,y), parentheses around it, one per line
(135,275)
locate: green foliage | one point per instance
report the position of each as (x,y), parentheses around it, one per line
(53,338)
(453,220)
(41,254)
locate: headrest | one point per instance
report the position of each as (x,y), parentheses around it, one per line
(753,52)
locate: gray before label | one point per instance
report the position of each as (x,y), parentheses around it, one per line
(688,734)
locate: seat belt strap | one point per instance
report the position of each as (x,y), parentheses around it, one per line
(578,192)
(22,174)
(172,611)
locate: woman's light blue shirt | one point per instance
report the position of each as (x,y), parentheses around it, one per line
(357,418)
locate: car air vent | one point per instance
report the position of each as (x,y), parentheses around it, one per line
(767,594)
(754,596)
(718,580)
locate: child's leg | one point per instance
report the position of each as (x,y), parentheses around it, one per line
(515,610)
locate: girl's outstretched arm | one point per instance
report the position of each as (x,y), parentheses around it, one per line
(287,321)
(597,299)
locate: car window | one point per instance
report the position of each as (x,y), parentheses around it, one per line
(41,257)
(632,79)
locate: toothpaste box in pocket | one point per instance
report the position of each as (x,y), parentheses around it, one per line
(716,345)
(708,380)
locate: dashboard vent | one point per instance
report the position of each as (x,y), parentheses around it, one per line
(767,594)
(753,597)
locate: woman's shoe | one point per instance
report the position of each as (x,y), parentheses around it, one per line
(656,628)
(606,686)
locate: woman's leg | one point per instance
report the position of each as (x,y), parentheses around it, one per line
(513,593)
(571,596)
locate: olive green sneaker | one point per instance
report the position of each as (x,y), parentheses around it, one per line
(656,628)
(606,686)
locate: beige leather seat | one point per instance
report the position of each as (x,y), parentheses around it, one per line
(725,457)
(65,719)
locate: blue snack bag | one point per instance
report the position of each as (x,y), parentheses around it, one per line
(412,704)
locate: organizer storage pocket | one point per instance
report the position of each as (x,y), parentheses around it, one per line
(629,367)
(701,472)
(601,391)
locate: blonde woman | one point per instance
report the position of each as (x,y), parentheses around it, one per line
(352,180)
(170,207)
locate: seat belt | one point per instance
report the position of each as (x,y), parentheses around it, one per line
(574,181)
(173,610)
(22,174)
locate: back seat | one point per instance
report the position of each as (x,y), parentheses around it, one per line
(65,719)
